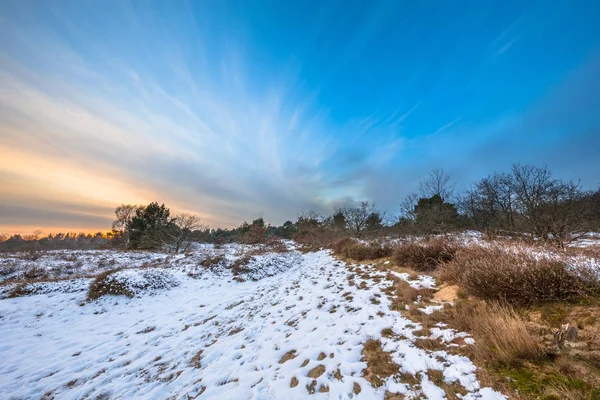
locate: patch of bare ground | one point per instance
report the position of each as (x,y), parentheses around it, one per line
(446,293)
(290,355)
(294,382)
(316,371)
(380,365)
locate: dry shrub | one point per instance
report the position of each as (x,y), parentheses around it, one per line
(240,265)
(339,246)
(518,277)
(213,261)
(35,273)
(8,268)
(425,256)
(275,245)
(105,284)
(350,248)
(219,242)
(20,291)
(501,335)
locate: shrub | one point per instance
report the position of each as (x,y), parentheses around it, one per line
(275,245)
(105,283)
(213,261)
(219,242)
(519,277)
(425,256)
(339,246)
(359,251)
(36,273)
(130,282)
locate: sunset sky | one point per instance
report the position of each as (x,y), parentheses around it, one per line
(235,109)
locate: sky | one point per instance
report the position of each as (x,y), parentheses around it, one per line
(239,109)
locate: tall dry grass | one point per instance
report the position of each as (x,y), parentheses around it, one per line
(501,335)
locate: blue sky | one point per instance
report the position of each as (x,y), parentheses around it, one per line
(239,109)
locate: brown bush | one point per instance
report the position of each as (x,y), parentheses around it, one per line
(275,245)
(213,261)
(105,284)
(339,246)
(219,242)
(371,251)
(425,256)
(518,277)
(35,273)
(351,248)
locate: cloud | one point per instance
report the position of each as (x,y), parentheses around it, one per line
(206,141)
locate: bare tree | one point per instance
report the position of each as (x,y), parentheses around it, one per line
(186,224)
(553,209)
(490,203)
(124,213)
(358,217)
(438,182)
(407,207)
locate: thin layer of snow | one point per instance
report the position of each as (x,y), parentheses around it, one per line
(422,282)
(206,333)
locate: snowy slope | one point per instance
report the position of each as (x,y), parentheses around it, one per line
(213,337)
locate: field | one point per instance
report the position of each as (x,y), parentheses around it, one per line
(248,322)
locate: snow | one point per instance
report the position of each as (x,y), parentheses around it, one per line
(147,347)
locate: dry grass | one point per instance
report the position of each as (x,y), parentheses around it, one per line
(425,256)
(501,335)
(518,277)
(402,294)
(380,365)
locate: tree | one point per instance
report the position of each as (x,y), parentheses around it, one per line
(124,213)
(374,223)
(552,209)
(338,220)
(287,230)
(490,203)
(434,215)
(186,224)
(358,216)
(437,183)
(152,226)
(255,233)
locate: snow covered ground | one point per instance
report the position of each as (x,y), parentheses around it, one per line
(293,327)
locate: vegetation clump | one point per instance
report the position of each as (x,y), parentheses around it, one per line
(518,277)
(106,284)
(425,256)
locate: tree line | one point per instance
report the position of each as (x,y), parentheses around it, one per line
(526,200)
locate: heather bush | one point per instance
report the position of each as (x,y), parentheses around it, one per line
(519,277)
(425,256)
(339,246)
(105,284)
(130,283)
(350,248)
